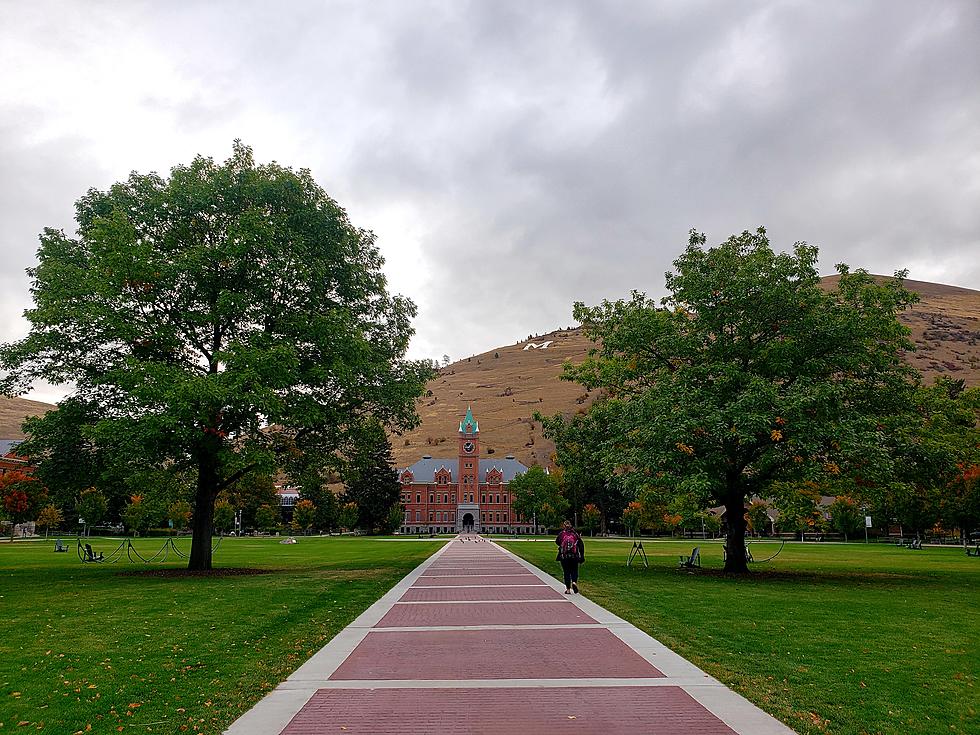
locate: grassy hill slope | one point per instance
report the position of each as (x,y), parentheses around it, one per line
(506,385)
(13,411)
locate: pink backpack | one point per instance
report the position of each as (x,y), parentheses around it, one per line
(568,549)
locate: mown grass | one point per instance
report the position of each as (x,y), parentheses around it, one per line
(846,639)
(96,648)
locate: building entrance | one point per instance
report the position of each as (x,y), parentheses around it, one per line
(468,523)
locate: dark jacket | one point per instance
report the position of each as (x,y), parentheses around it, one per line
(579,543)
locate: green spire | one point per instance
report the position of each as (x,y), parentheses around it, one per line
(469,425)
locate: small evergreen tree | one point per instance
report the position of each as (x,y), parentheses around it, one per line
(373,482)
(395,518)
(347,516)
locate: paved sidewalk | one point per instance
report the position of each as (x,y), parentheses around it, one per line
(476,640)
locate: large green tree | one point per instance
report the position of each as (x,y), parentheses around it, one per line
(748,372)
(536,496)
(225,316)
(578,441)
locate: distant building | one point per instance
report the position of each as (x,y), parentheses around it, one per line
(461,493)
(10,461)
(288,497)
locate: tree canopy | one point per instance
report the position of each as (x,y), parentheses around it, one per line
(225,319)
(747,373)
(536,496)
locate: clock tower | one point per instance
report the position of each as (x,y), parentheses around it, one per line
(469,455)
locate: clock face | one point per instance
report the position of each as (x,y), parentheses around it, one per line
(468,447)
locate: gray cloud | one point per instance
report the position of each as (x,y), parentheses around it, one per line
(514,157)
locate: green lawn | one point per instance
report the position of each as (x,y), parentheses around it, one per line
(829,638)
(83,647)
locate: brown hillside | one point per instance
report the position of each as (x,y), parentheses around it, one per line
(507,385)
(13,411)
(945,326)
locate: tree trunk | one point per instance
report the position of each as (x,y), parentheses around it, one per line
(207,491)
(735,561)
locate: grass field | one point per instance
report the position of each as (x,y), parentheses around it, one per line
(848,639)
(86,648)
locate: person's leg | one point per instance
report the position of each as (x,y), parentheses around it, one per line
(575,576)
(567,569)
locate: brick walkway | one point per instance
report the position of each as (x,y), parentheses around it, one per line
(478,641)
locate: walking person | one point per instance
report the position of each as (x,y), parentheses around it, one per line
(571,553)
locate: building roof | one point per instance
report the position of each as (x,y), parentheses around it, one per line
(424,471)
(6,445)
(469,425)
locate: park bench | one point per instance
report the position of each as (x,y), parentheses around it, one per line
(60,547)
(694,560)
(91,555)
(973,552)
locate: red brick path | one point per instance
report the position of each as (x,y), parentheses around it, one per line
(394,681)
(494,654)
(506,711)
(475,613)
(470,594)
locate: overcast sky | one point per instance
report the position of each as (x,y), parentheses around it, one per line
(514,157)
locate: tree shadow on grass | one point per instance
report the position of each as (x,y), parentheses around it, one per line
(181,573)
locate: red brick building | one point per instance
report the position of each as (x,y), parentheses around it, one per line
(461,493)
(10,461)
